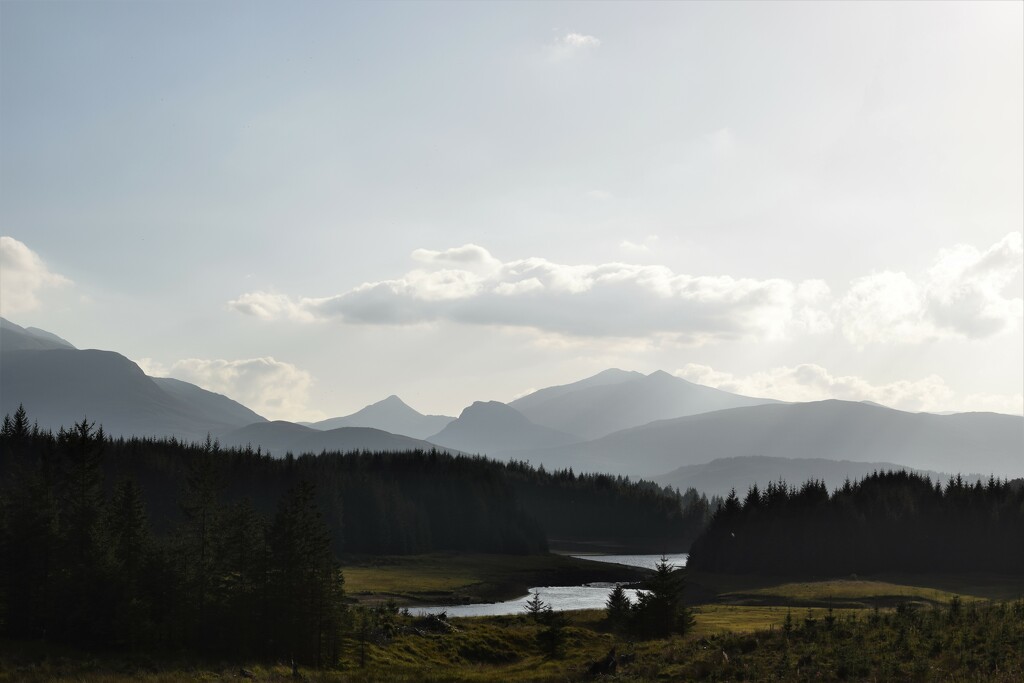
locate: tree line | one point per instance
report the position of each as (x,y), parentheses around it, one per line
(140,543)
(887,521)
(80,562)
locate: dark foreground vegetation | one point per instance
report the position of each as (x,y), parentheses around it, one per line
(889,521)
(956,641)
(144,544)
(155,560)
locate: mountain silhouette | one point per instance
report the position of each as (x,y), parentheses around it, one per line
(390,415)
(615,400)
(493,428)
(280,437)
(835,430)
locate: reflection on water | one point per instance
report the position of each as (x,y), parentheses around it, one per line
(561,598)
(675,560)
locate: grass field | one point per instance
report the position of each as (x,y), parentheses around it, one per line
(746,628)
(459,578)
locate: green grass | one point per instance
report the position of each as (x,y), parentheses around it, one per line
(841,592)
(866,591)
(728,643)
(738,634)
(462,578)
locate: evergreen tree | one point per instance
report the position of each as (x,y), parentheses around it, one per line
(660,610)
(552,638)
(307,584)
(130,547)
(85,600)
(617,607)
(535,606)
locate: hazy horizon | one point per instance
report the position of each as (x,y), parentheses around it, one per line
(309,207)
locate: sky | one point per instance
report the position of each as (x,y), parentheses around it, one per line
(311,206)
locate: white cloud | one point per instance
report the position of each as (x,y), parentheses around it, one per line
(153,368)
(809,382)
(23,277)
(633,246)
(271,306)
(961,295)
(573,43)
(638,247)
(578,40)
(273,388)
(605,300)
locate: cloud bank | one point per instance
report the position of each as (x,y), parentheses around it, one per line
(810,382)
(961,295)
(469,285)
(23,277)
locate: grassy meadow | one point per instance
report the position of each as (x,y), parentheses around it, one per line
(746,628)
(452,579)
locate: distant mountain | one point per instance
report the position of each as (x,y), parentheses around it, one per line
(493,428)
(718,477)
(390,415)
(614,400)
(834,430)
(16,338)
(62,386)
(279,437)
(534,401)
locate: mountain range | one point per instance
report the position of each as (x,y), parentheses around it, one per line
(280,437)
(392,415)
(615,399)
(617,421)
(837,430)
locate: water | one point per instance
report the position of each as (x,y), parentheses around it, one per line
(646,561)
(561,598)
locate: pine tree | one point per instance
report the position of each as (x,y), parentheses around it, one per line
(85,602)
(553,636)
(617,607)
(307,584)
(131,546)
(660,610)
(535,606)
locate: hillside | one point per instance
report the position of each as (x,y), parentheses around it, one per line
(615,400)
(390,415)
(834,430)
(280,437)
(494,428)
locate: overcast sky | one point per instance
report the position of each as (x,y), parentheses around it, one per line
(311,206)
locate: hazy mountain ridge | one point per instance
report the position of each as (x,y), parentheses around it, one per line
(836,430)
(14,337)
(390,415)
(494,428)
(739,473)
(280,437)
(60,385)
(592,409)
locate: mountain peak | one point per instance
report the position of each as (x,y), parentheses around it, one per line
(391,414)
(661,374)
